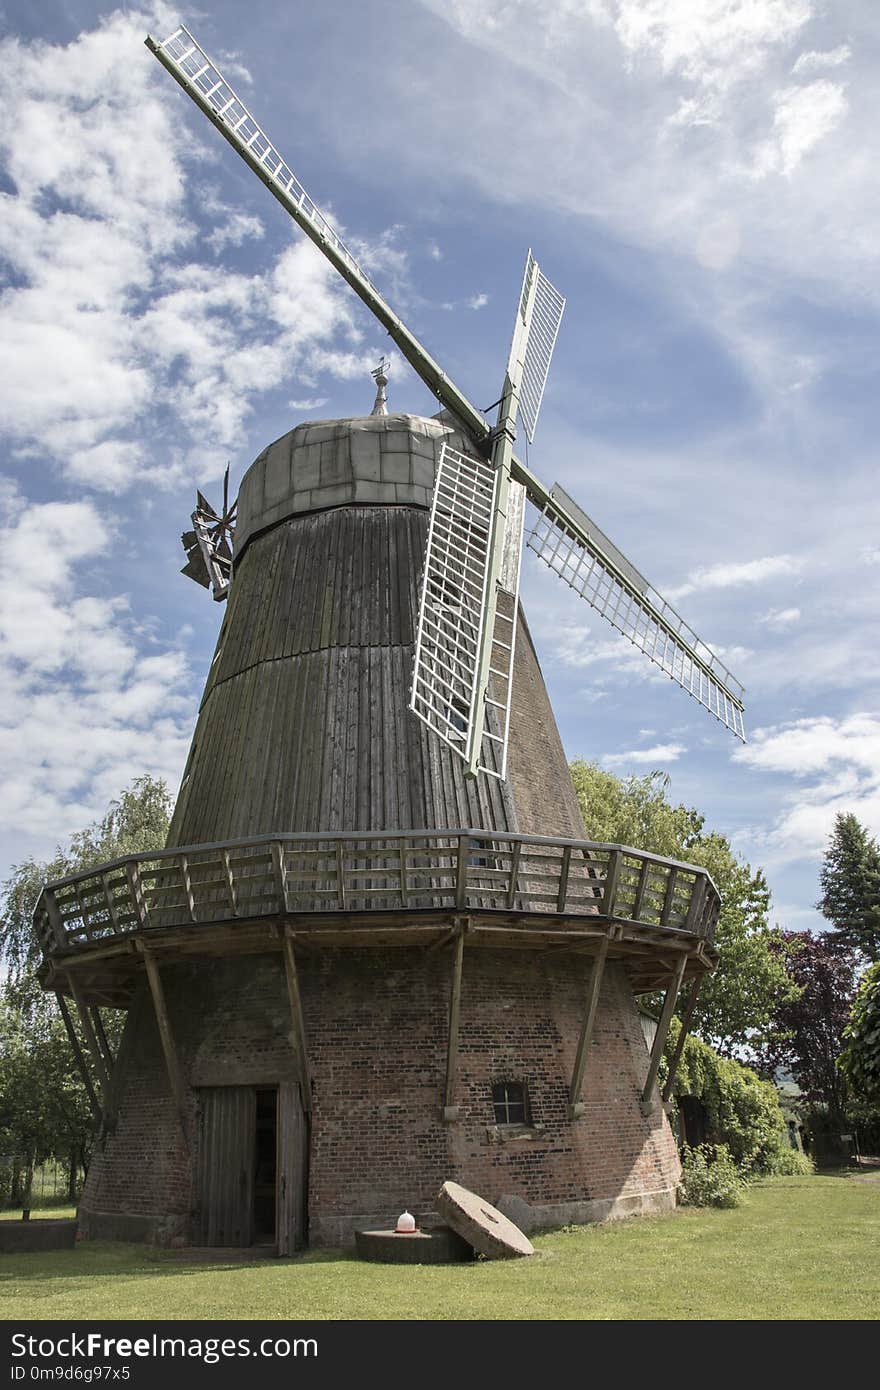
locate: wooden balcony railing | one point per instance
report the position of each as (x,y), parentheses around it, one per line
(451,871)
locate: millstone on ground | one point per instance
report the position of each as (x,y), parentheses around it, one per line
(489,1232)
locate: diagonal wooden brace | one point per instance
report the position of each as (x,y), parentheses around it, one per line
(575,1105)
(648,1103)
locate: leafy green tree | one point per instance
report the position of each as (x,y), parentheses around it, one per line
(860,1060)
(737,1004)
(850,881)
(742,1111)
(44,1109)
(808,1036)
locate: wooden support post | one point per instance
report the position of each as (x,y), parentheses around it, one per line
(642,889)
(575,1106)
(298,1031)
(167,1039)
(135,887)
(695,907)
(668,1010)
(610,889)
(450,1109)
(186,883)
(669,897)
(91,1041)
(55,920)
(80,1059)
(404,854)
(514,872)
(340,875)
(98,1025)
(280,875)
(682,1038)
(230,881)
(563,879)
(461,871)
(108,898)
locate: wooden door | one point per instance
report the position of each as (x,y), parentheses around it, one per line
(227,1134)
(291,1170)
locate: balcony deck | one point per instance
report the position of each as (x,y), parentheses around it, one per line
(370,889)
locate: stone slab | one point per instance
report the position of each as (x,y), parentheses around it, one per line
(487,1229)
(438,1246)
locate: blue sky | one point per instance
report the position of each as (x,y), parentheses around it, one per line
(696,176)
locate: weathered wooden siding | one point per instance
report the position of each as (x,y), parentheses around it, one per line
(304,723)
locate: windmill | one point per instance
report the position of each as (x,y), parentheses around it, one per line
(376,951)
(462,676)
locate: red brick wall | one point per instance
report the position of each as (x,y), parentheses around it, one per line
(376,1025)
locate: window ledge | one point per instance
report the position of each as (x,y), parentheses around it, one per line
(506,1134)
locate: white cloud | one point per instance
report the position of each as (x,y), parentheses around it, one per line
(86,704)
(802,117)
(736,574)
(657,114)
(646,757)
(836,766)
(478,301)
(816,62)
(111,315)
(780,617)
(812,745)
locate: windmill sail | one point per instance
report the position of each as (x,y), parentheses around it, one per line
(545,316)
(564,536)
(453,612)
(574,548)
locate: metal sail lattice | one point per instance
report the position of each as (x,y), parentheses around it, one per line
(453,610)
(546,315)
(192,64)
(599,573)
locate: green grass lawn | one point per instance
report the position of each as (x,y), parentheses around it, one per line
(799,1248)
(48,1213)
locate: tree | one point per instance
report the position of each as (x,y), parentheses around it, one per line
(44,1109)
(850,880)
(860,1060)
(737,1004)
(809,1030)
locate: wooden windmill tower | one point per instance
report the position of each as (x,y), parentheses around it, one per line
(379,950)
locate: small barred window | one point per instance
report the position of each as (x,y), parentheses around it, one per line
(509,1103)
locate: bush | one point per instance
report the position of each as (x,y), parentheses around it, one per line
(743,1112)
(787,1162)
(709,1177)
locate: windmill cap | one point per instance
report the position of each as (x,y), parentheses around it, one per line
(370,460)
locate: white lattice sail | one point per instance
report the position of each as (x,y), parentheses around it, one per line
(577,550)
(453,613)
(546,316)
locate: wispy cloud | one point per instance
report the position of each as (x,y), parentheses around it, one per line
(780,617)
(835,764)
(657,756)
(737,573)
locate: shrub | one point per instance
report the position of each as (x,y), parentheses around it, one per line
(743,1112)
(787,1162)
(709,1177)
